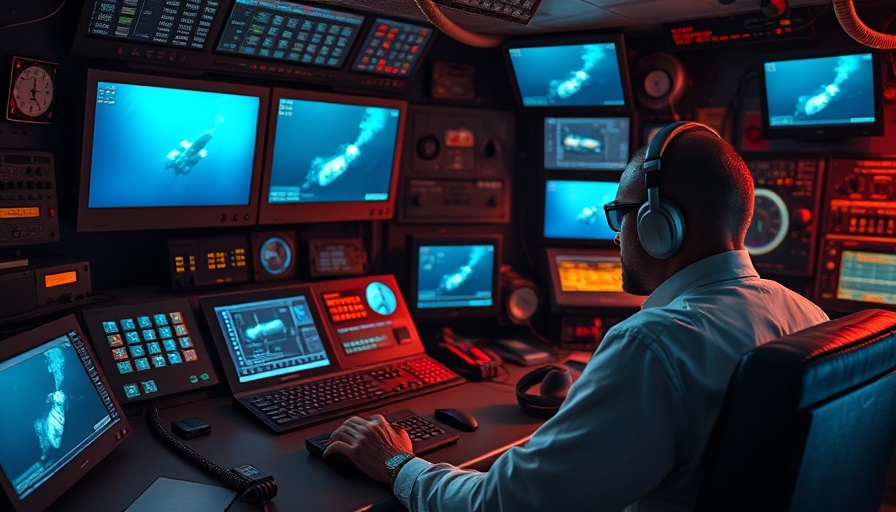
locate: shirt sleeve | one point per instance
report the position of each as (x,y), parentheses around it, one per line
(612,441)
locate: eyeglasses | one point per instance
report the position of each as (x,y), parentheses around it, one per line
(616,211)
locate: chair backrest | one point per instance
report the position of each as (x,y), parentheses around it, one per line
(808,422)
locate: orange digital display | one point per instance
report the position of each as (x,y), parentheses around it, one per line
(51,280)
(589,276)
(20,212)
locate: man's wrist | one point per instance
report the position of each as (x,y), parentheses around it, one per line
(395,463)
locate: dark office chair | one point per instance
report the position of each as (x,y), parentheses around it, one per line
(809,421)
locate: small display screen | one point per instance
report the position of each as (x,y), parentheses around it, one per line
(571,75)
(156,22)
(332,152)
(362,317)
(392,48)
(821,91)
(271,338)
(455,276)
(290,32)
(867,277)
(586,143)
(199,150)
(55,407)
(583,274)
(575,209)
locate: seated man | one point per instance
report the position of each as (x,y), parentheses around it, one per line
(633,429)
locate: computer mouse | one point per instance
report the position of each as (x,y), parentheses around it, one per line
(457,418)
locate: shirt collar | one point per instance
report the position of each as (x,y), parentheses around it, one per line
(718,267)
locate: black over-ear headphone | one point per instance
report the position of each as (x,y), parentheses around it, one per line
(660,222)
(555,381)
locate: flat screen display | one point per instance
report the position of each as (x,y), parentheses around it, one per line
(867,277)
(162,152)
(155,22)
(392,48)
(834,94)
(587,278)
(455,276)
(586,143)
(276,337)
(331,157)
(290,32)
(587,71)
(60,418)
(574,209)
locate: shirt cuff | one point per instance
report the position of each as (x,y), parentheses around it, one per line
(407,477)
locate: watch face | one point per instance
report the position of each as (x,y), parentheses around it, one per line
(32,91)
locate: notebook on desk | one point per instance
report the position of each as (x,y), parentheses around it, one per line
(301,355)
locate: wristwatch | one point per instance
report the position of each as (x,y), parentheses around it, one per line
(395,463)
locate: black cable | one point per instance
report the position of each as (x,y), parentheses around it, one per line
(35,20)
(252,491)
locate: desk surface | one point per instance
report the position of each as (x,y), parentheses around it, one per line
(237,439)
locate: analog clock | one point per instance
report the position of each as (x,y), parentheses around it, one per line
(32,91)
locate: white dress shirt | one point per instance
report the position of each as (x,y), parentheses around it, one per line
(633,429)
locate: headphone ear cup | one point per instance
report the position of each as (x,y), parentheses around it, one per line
(660,231)
(554,381)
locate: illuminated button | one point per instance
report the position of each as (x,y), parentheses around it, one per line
(204,376)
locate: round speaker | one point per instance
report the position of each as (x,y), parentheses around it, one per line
(522,300)
(658,80)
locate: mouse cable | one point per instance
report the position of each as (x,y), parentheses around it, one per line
(251,484)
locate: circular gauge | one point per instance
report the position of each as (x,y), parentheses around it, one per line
(275,255)
(381,298)
(770,224)
(522,304)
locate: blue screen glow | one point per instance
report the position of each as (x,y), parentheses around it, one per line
(455,276)
(585,75)
(168,147)
(575,209)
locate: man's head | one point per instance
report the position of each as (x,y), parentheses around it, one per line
(709,184)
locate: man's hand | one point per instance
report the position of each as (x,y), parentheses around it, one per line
(369,444)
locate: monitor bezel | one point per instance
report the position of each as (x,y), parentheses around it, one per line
(612,177)
(78,467)
(596,118)
(415,242)
(829,131)
(279,213)
(166,217)
(578,301)
(574,39)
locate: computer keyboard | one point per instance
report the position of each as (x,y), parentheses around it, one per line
(514,11)
(425,435)
(304,404)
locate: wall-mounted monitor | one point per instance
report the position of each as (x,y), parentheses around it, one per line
(588,279)
(822,95)
(454,276)
(583,70)
(161,153)
(60,418)
(574,210)
(331,157)
(392,48)
(586,143)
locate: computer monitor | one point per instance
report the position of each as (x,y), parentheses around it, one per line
(586,143)
(588,279)
(290,32)
(582,70)
(454,276)
(331,157)
(60,418)
(161,152)
(574,210)
(822,95)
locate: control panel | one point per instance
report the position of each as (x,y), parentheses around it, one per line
(458,170)
(860,199)
(28,209)
(784,230)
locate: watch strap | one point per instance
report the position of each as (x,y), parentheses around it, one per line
(395,463)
